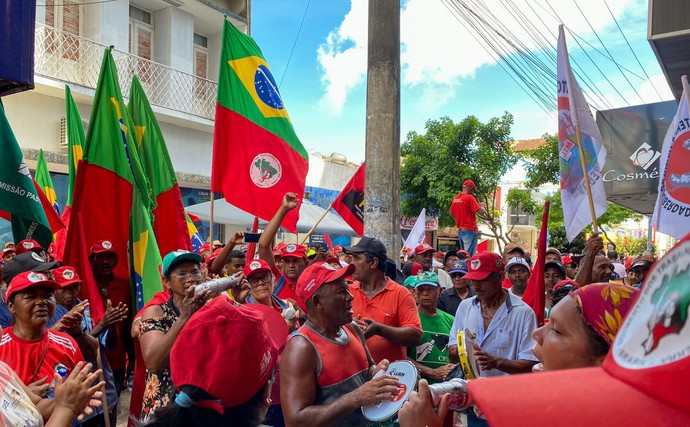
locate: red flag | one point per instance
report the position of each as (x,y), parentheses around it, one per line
(327,239)
(535,294)
(77,255)
(251,248)
(53,217)
(350,202)
(61,236)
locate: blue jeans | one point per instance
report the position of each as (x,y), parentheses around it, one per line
(467,240)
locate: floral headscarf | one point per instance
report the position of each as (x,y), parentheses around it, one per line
(603,306)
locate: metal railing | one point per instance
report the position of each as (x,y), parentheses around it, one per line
(74,59)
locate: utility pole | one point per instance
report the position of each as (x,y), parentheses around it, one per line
(382,188)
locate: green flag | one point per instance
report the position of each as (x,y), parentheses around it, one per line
(19,199)
(145,259)
(45,182)
(75,140)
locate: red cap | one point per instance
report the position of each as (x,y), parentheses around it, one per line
(333,260)
(469,183)
(648,364)
(245,342)
(65,276)
(294,250)
(565,282)
(628,262)
(483,264)
(27,280)
(7,251)
(214,255)
(316,275)
(566,259)
(27,245)
(255,266)
(424,247)
(337,250)
(102,246)
(205,247)
(416,268)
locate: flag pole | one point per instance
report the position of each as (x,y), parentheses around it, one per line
(317,223)
(210,236)
(585,173)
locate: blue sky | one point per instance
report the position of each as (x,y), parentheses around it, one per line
(444,70)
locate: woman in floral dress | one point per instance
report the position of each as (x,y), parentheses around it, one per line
(160,325)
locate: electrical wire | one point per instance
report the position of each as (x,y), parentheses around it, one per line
(631,50)
(299,31)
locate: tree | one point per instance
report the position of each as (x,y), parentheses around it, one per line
(436,163)
(632,246)
(542,166)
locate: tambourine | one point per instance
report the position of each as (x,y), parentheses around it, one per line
(468,362)
(385,412)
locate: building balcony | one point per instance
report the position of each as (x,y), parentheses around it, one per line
(76,60)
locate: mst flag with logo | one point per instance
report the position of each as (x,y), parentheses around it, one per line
(169,219)
(672,210)
(350,202)
(574,113)
(257,157)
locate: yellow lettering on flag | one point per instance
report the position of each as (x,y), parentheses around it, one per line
(247,70)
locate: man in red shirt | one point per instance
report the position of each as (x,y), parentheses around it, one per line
(385,311)
(30,349)
(464,209)
(294,256)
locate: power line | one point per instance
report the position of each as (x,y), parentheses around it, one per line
(631,50)
(294,44)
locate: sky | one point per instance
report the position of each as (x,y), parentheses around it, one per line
(445,70)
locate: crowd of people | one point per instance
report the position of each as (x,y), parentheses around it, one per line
(304,336)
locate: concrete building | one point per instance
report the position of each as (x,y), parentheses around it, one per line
(173,47)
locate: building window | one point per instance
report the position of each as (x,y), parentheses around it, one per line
(65,16)
(516,216)
(200,40)
(141,41)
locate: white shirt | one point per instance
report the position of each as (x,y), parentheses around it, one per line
(509,335)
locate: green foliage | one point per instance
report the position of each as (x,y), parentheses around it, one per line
(631,246)
(542,164)
(436,163)
(558,239)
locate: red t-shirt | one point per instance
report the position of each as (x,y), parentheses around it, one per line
(393,306)
(464,209)
(24,357)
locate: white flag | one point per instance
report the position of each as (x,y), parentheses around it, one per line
(573,111)
(418,232)
(672,210)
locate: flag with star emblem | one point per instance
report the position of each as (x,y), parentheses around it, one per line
(169,219)
(145,258)
(45,182)
(109,172)
(257,157)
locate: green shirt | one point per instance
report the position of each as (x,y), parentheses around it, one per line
(433,350)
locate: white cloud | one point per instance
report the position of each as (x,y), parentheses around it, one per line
(439,53)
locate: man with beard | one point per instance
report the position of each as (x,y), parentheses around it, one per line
(326,370)
(294,257)
(103,259)
(385,311)
(595,267)
(518,272)
(424,255)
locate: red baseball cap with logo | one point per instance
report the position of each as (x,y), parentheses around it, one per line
(65,276)
(294,250)
(469,183)
(424,247)
(483,264)
(255,266)
(642,382)
(28,280)
(245,342)
(103,246)
(27,245)
(316,275)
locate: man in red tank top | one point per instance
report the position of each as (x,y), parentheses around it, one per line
(326,368)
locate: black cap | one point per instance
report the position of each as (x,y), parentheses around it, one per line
(448,255)
(393,273)
(554,263)
(28,261)
(370,245)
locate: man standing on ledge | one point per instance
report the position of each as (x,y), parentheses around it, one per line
(464,209)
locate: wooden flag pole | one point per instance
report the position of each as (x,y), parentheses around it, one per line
(317,223)
(585,173)
(104,400)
